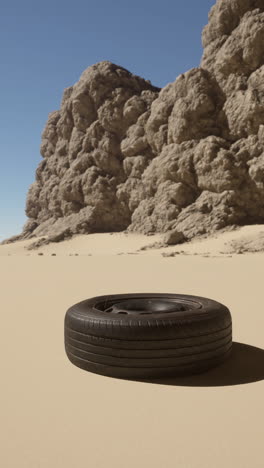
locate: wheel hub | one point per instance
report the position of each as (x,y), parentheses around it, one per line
(146,306)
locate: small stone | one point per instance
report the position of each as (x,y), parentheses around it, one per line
(174,237)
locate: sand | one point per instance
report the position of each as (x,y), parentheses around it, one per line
(56,415)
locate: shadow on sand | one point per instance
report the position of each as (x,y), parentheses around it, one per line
(245,365)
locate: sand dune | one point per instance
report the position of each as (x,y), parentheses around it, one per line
(54,414)
(229,241)
(89,244)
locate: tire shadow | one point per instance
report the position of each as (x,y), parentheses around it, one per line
(245,365)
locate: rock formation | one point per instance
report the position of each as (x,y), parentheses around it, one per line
(185,160)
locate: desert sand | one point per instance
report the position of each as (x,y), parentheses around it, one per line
(57,415)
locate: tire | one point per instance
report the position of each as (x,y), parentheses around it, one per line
(147,334)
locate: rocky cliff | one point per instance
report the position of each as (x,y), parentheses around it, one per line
(188,159)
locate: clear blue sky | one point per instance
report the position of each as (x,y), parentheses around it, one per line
(46,45)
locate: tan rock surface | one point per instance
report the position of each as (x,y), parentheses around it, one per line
(122,154)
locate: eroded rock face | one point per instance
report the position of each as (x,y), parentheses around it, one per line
(88,147)
(123,154)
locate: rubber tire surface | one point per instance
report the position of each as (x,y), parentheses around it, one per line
(151,344)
